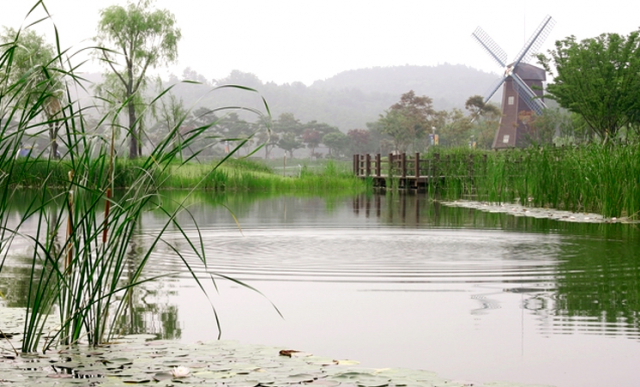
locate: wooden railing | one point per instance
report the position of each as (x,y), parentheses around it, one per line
(417,168)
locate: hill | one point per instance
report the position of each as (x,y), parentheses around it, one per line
(347,100)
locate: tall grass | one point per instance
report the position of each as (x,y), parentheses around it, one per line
(82,267)
(235,174)
(589,178)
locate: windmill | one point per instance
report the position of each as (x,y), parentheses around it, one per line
(522,86)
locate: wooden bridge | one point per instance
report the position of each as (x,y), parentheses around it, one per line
(415,172)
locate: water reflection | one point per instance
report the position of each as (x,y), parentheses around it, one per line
(386,279)
(592,286)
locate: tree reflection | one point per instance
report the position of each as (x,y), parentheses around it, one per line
(595,282)
(145,313)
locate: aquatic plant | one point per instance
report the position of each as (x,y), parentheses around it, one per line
(590,178)
(84,260)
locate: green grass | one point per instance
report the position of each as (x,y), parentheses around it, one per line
(589,178)
(232,176)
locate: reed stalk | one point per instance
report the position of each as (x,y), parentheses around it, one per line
(590,178)
(87,283)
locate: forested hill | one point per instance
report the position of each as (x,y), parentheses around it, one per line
(352,98)
(450,85)
(347,100)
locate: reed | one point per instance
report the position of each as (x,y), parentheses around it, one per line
(590,178)
(84,266)
(235,174)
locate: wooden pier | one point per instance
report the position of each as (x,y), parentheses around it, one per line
(414,171)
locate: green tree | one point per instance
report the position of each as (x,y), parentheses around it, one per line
(313,133)
(475,104)
(289,142)
(408,120)
(380,142)
(142,39)
(337,142)
(265,136)
(598,78)
(288,129)
(205,118)
(169,113)
(546,126)
(312,138)
(33,67)
(457,129)
(485,118)
(360,141)
(234,130)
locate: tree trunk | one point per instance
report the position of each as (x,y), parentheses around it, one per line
(133,133)
(53,135)
(51,111)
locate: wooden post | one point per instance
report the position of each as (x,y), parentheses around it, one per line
(378,164)
(367,160)
(416,167)
(403,164)
(354,164)
(390,162)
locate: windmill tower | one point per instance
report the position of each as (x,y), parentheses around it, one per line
(521,86)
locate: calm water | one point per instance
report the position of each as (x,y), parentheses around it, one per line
(398,281)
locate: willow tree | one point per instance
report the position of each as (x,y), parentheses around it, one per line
(134,39)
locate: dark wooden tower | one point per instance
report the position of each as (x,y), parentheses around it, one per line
(514,129)
(522,87)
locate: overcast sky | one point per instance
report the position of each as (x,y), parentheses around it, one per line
(285,41)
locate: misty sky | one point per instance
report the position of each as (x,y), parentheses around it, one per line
(284,41)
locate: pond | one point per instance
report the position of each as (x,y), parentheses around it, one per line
(400,281)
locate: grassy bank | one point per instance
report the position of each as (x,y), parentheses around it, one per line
(232,176)
(593,178)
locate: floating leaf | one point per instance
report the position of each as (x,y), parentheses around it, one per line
(346,362)
(162,376)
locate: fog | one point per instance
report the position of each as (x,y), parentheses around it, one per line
(286,41)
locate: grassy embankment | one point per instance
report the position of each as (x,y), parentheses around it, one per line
(231,176)
(591,178)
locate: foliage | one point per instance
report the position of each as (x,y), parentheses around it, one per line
(475,104)
(589,178)
(169,112)
(145,38)
(312,138)
(289,129)
(408,120)
(485,119)
(456,129)
(597,78)
(350,99)
(337,142)
(34,61)
(360,141)
(289,142)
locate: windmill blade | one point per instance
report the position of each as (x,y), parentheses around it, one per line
(490,94)
(527,95)
(493,89)
(535,41)
(490,46)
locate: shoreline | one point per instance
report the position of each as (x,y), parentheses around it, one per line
(536,212)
